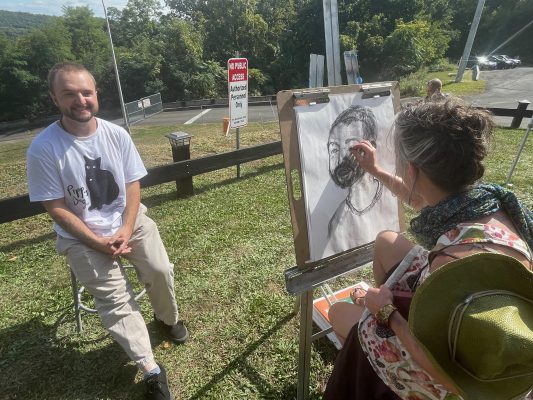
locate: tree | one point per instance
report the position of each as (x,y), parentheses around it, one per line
(89,42)
(182,55)
(138,21)
(138,47)
(24,72)
(304,35)
(413,45)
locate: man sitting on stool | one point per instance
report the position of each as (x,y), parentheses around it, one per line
(434,93)
(86,171)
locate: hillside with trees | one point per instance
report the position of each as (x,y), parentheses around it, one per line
(182,53)
(14,24)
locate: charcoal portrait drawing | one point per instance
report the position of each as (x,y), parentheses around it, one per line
(345,206)
(353,125)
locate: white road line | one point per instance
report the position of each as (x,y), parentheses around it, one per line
(198,116)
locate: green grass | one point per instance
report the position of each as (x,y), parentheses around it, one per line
(466,87)
(414,85)
(230,243)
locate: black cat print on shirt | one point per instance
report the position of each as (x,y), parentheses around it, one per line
(101,184)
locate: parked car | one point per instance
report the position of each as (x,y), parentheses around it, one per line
(482,62)
(504,62)
(514,61)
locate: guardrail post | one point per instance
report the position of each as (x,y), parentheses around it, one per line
(520,110)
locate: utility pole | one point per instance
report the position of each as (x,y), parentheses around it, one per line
(469,41)
(124,115)
(331,31)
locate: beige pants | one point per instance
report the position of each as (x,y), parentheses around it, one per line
(113,294)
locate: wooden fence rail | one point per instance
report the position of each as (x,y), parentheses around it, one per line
(517,113)
(20,207)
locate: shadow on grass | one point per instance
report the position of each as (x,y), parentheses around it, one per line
(241,365)
(149,201)
(28,242)
(158,199)
(35,364)
(326,350)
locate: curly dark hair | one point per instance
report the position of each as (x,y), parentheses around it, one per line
(357,113)
(446,140)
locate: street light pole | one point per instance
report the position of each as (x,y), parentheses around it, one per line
(124,115)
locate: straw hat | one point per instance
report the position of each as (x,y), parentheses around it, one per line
(473,318)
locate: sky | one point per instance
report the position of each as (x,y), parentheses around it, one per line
(54,7)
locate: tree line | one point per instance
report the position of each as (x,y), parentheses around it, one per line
(181,49)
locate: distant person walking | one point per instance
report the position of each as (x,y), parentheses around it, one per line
(434,90)
(86,172)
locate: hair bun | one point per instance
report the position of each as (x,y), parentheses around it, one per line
(447,140)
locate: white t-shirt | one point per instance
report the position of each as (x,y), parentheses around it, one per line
(90,173)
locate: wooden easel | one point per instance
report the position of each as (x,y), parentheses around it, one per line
(301,279)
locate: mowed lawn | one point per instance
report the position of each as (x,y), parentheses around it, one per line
(230,244)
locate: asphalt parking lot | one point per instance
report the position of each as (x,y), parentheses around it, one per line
(505,88)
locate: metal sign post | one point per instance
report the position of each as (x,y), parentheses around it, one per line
(122,106)
(238,97)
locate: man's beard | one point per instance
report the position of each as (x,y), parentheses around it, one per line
(75,116)
(347,173)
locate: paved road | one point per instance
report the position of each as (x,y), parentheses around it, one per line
(213,115)
(268,113)
(504,89)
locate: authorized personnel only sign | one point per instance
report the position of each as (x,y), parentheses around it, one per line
(238,92)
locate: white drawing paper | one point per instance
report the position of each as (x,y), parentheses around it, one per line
(345,206)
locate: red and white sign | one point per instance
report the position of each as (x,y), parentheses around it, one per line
(238,92)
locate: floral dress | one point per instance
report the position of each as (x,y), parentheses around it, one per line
(386,354)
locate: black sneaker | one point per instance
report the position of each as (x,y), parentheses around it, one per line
(157,386)
(178,333)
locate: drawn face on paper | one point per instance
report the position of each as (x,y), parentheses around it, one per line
(351,127)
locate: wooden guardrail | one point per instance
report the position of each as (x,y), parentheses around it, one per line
(20,207)
(518,114)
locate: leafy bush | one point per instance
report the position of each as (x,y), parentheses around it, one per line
(208,82)
(413,85)
(256,82)
(440,65)
(413,45)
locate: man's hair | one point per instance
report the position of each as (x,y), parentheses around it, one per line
(447,140)
(357,113)
(67,66)
(434,85)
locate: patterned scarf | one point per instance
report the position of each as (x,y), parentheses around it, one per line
(478,202)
